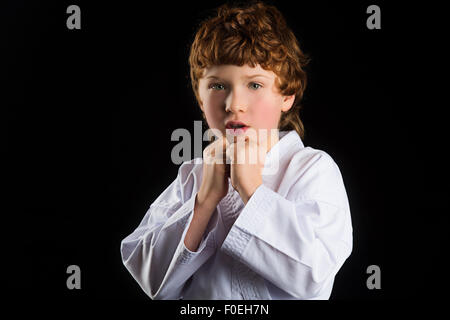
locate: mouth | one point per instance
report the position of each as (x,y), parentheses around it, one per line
(236,127)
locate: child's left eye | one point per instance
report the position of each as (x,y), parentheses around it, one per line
(254,83)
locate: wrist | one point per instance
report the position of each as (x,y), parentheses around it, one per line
(206,201)
(246,193)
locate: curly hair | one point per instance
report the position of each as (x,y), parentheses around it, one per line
(252,33)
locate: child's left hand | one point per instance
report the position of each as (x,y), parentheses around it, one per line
(247,158)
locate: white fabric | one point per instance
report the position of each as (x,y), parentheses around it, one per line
(288,242)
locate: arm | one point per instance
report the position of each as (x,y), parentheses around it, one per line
(155,253)
(298,245)
(203,211)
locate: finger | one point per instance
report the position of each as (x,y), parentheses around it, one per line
(217,150)
(225,145)
(229,134)
(242,142)
(251,135)
(230,153)
(212,151)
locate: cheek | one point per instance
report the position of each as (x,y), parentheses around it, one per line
(213,113)
(266,115)
(212,116)
(211,107)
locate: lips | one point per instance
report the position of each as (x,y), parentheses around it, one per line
(235,125)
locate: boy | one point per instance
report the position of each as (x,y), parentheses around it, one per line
(232,230)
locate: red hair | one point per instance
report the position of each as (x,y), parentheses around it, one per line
(252,33)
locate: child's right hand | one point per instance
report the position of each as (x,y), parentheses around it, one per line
(216,171)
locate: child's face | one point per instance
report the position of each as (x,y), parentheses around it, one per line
(228,93)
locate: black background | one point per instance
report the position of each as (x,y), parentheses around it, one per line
(87,116)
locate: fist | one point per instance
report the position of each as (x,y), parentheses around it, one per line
(214,184)
(246,156)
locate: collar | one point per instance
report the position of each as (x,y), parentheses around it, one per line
(288,141)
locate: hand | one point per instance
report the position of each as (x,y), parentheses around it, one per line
(247,157)
(214,184)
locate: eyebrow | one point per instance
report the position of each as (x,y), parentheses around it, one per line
(244,77)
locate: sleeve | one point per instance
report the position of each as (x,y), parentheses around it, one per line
(155,253)
(298,245)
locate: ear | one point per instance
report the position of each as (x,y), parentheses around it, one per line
(288,101)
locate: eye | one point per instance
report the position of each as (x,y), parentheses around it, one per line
(214,85)
(254,83)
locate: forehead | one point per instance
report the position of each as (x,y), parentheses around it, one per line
(238,72)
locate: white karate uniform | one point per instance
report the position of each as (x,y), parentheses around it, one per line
(288,242)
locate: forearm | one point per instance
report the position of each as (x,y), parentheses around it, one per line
(203,211)
(246,193)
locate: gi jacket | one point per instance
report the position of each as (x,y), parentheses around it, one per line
(287,242)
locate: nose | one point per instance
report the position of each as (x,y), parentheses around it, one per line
(235,103)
